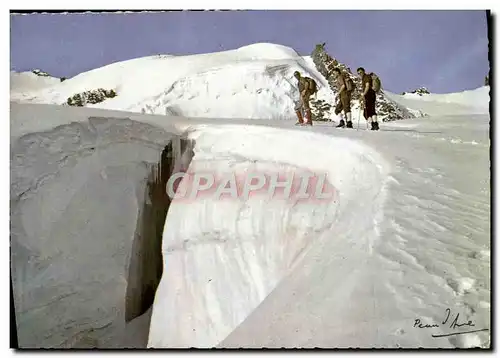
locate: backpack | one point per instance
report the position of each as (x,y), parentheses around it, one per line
(349,83)
(313,87)
(376,85)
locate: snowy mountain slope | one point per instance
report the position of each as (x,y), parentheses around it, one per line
(255,82)
(251,82)
(407,237)
(478,97)
(22,83)
(475,101)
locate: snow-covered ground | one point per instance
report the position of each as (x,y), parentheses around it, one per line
(430,247)
(255,81)
(407,237)
(23,84)
(474,101)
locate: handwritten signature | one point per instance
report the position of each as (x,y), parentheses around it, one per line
(455,323)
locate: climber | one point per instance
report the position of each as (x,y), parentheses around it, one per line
(306,89)
(344,86)
(368,98)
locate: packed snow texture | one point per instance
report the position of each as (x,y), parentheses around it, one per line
(254,81)
(473,101)
(23,84)
(407,237)
(78,198)
(430,251)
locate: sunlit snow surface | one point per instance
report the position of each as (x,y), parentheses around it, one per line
(407,237)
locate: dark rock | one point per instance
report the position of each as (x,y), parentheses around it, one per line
(420,91)
(41,73)
(90,97)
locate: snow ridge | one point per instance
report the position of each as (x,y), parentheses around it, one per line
(252,82)
(257,243)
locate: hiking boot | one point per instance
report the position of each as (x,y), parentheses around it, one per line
(341,124)
(375,125)
(307,118)
(300,120)
(349,124)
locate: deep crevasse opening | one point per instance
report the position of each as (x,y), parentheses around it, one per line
(92,253)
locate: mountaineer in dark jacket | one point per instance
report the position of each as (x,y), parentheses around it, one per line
(368,96)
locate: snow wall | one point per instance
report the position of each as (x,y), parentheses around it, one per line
(77,285)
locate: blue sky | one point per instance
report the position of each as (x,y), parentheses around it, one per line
(445,51)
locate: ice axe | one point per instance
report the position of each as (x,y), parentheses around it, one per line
(359,114)
(363,107)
